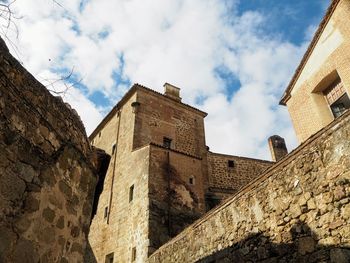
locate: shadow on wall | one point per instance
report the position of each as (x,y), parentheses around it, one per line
(89,256)
(303,247)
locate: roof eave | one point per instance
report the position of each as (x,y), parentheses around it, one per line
(287,94)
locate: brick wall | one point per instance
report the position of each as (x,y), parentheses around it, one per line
(297,211)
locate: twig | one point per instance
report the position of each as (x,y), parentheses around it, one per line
(64,80)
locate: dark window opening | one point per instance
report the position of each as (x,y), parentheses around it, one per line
(133,254)
(231,164)
(211,201)
(109,258)
(113,148)
(340,106)
(167,142)
(106,212)
(99,134)
(191,180)
(131,193)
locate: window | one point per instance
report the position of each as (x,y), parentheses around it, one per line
(113,148)
(106,212)
(99,134)
(340,106)
(131,193)
(167,142)
(191,180)
(231,164)
(109,258)
(337,98)
(133,254)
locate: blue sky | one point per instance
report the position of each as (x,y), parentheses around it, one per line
(231,58)
(288,18)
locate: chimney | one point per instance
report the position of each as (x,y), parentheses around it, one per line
(172,92)
(278,148)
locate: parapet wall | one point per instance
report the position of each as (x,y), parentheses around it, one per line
(297,211)
(47,174)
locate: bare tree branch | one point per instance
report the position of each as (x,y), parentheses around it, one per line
(65,80)
(8,24)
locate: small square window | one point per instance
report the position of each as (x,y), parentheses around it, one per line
(109,258)
(340,106)
(133,254)
(167,142)
(131,193)
(106,212)
(231,164)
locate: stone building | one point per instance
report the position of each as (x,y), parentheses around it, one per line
(161,177)
(157,180)
(319,90)
(298,210)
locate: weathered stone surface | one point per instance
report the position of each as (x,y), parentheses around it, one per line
(340,255)
(158,150)
(48,214)
(307,226)
(306,245)
(41,141)
(11,187)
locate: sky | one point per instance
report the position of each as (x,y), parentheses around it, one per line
(231,58)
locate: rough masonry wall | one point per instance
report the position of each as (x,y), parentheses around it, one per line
(159,116)
(223,177)
(176,193)
(126,225)
(298,211)
(307,106)
(47,180)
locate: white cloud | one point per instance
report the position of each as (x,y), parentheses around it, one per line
(176,41)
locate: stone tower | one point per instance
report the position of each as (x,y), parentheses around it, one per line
(161,176)
(155,183)
(278,147)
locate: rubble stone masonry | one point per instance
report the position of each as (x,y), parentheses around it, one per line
(297,211)
(47,172)
(243,170)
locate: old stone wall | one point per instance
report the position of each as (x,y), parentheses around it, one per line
(297,211)
(227,172)
(159,116)
(329,59)
(47,178)
(176,193)
(121,222)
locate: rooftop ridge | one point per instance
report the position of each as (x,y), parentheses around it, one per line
(316,37)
